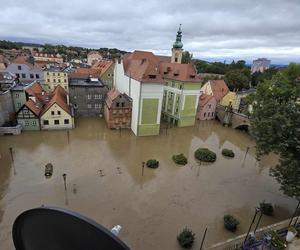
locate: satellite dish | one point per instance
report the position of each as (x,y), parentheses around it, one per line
(51,228)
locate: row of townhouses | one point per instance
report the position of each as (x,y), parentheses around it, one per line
(137,91)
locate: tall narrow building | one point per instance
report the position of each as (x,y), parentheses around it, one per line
(177,48)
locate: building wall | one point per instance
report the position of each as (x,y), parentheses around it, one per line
(88,100)
(130,87)
(56,116)
(28,120)
(19,99)
(150,109)
(6,107)
(30,74)
(180,102)
(208,111)
(206,89)
(228,99)
(108,77)
(118,116)
(54,78)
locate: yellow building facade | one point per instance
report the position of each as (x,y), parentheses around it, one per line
(55,78)
(229,99)
(56,118)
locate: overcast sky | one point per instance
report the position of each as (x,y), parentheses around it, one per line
(212,29)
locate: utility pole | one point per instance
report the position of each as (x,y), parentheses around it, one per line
(143,166)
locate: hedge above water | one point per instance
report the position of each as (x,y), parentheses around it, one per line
(228,153)
(206,155)
(152,163)
(180,159)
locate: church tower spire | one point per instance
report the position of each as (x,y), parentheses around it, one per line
(177,48)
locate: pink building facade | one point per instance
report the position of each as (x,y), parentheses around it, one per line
(207,107)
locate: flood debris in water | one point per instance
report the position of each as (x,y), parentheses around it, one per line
(48,170)
(119,170)
(100,171)
(74,189)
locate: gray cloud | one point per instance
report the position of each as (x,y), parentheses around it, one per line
(214,29)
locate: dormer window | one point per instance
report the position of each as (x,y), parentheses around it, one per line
(192,76)
(152,76)
(176,74)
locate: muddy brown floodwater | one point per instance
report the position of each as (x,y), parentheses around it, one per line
(104,181)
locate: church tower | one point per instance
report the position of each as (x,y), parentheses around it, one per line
(177,48)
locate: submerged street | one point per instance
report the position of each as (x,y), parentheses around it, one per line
(104,181)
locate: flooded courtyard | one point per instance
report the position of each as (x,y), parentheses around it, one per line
(105,182)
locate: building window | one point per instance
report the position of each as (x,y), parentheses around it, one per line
(18,75)
(23,75)
(66,121)
(33,123)
(212,114)
(209,106)
(53,74)
(19,67)
(97,105)
(17,95)
(52,112)
(26,123)
(89,97)
(48,80)
(208,115)
(19,105)
(89,106)
(31,76)
(65,74)
(37,76)
(75,106)
(204,114)
(58,112)
(46,122)
(123,104)
(118,104)
(47,73)
(56,122)
(180,86)
(54,80)
(65,80)
(58,74)
(58,80)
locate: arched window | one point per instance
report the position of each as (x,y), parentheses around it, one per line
(204,114)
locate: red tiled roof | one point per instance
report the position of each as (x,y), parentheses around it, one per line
(219,89)
(146,67)
(34,89)
(59,97)
(34,107)
(85,72)
(102,65)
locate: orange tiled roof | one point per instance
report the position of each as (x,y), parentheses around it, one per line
(34,107)
(146,67)
(219,89)
(102,65)
(59,97)
(34,89)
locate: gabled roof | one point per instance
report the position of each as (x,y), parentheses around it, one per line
(204,99)
(59,97)
(102,65)
(34,107)
(34,89)
(146,67)
(112,95)
(219,88)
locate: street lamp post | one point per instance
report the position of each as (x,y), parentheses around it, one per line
(257,210)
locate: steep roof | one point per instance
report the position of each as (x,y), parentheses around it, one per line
(144,66)
(102,65)
(34,89)
(34,107)
(219,88)
(112,95)
(204,99)
(59,97)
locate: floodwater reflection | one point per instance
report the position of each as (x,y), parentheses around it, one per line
(105,182)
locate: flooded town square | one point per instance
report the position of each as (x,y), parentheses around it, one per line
(104,181)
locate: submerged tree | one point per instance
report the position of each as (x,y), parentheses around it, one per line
(275,125)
